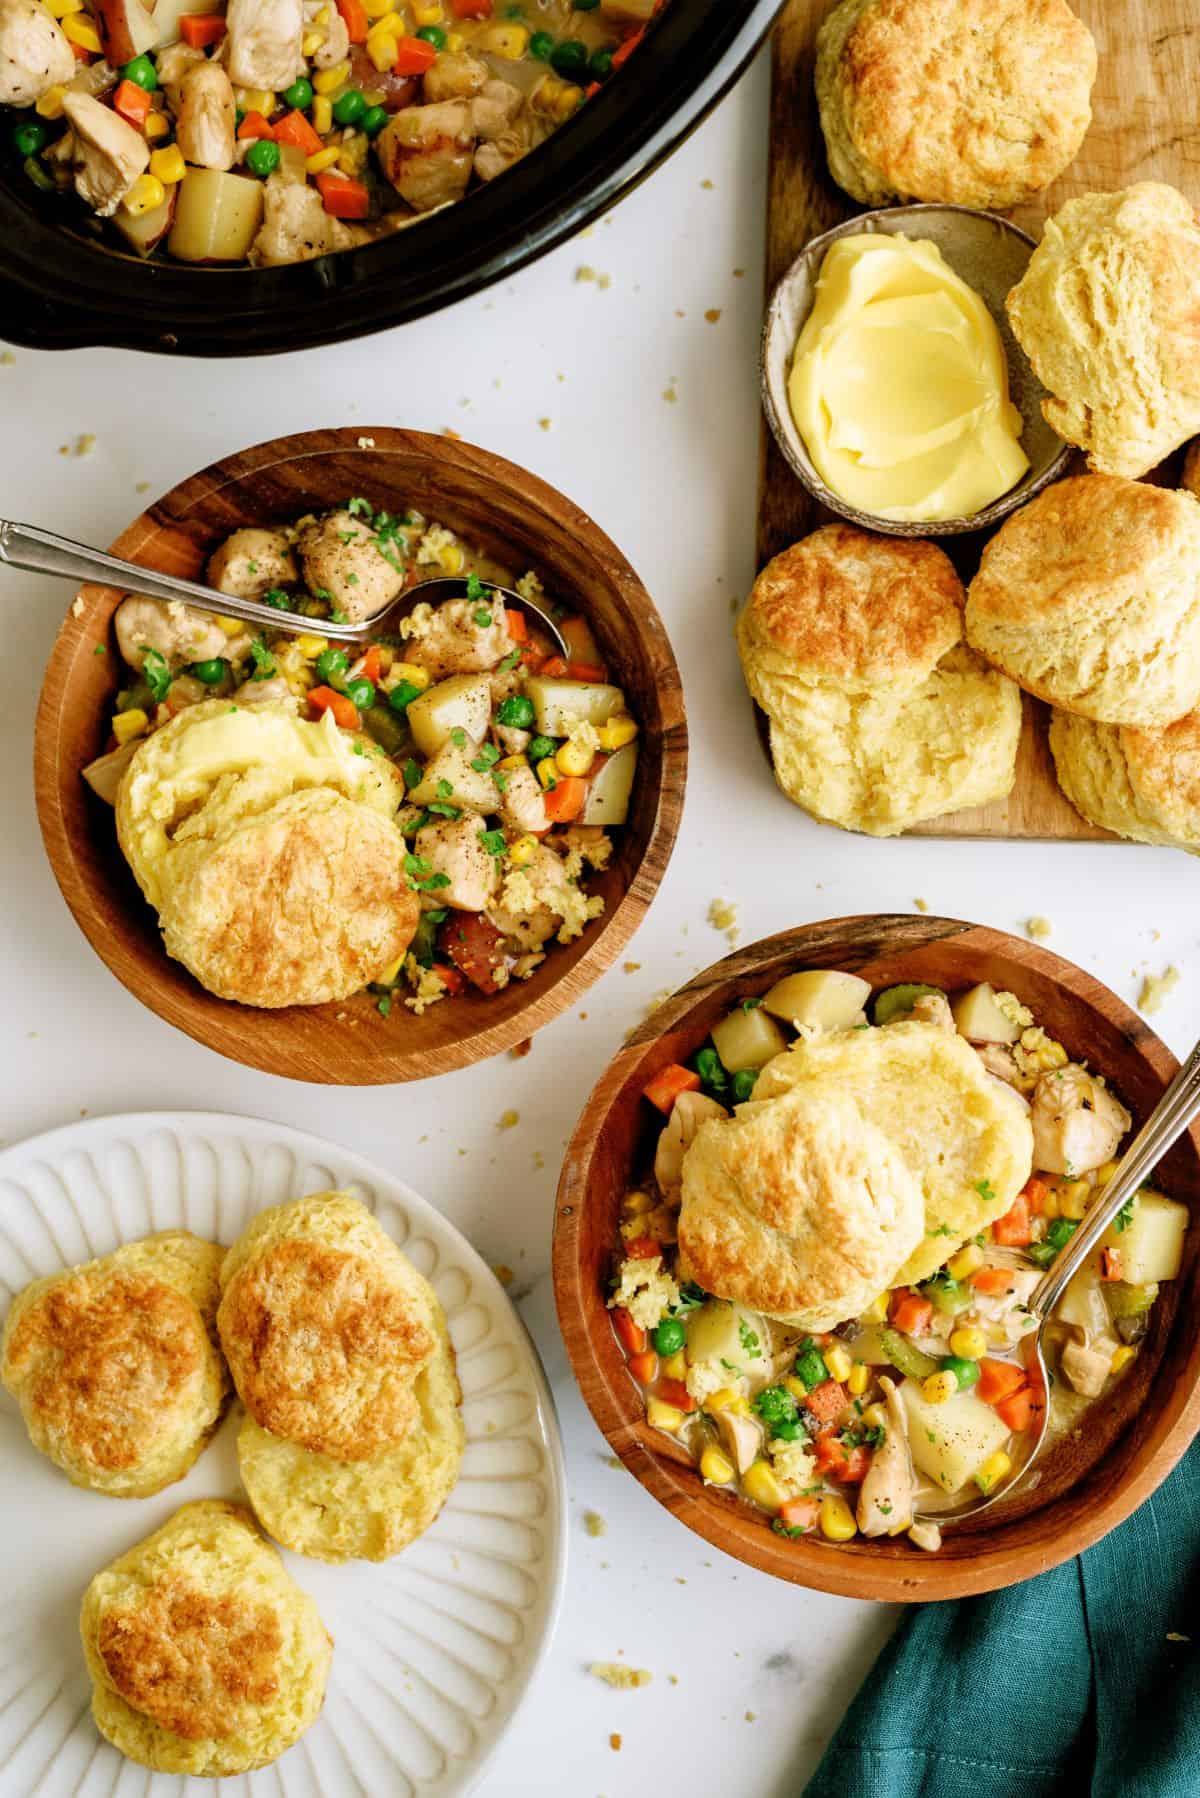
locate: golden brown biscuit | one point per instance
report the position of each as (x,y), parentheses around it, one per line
(325,1325)
(1089,596)
(1142,784)
(1108,313)
(976,102)
(205,1657)
(800,1208)
(115,1364)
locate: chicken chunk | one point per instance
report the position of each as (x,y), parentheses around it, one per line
(933,1008)
(455,77)
(1077,1123)
(885,1499)
(345,562)
(179,633)
(174,64)
(296,226)
(336,45)
(494,108)
(999,1061)
(109,153)
(453,848)
(274,691)
(742,1438)
(454,639)
(1086,1368)
(522,803)
(34,53)
(250,563)
(529,929)
(689,1111)
(264,43)
(426,153)
(207,122)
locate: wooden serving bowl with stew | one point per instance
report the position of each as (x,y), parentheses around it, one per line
(1125,1445)
(513,518)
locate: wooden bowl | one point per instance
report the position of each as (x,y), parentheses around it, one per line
(1083,1489)
(514,517)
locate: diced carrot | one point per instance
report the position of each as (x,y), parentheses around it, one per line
(80,54)
(132,102)
(372,664)
(413,56)
(343,197)
(354,13)
(199,29)
(555,666)
(1013,1230)
(294,128)
(641,1248)
(325,699)
(1110,1264)
(591,90)
(826,1401)
(993,1282)
(256,126)
(565,799)
(644,1367)
(518,629)
(471,9)
(622,55)
(912,1314)
(668,1083)
(585,671)
(1036,1192)
(844,1463)
(632,1336)
(998,1379)
(799,1513)
(1016,1410)
(450,977)
(676,1393)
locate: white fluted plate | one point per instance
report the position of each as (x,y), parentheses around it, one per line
(435,1649)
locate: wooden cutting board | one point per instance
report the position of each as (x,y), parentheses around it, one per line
(1145,126)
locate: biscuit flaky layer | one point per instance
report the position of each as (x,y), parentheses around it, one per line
(205,1657)
(115,1364)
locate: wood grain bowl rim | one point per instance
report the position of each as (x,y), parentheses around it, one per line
(1000,1554)
(230,1028)
(887,221)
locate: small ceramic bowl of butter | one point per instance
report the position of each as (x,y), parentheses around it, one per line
(892,382)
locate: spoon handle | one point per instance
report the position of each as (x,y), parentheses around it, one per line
(1165,1125)
(44,552)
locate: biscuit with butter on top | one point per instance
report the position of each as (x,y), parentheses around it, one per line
(115,1363)
(205,1657)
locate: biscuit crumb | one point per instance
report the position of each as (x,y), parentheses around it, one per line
(750,1716)
(921,904)
(614,1461)
(723,915)
(85,443)
(738,273)
(141,486)
(1156,989)
(1038,928)
(545,423)
(6,359)
(365,442)
(539,1160)
(708,185)
(614,1742)
(1174,1636)
(673,1679)
(455,436)
(669,392)
(585,272)
(594,1524)
(77,606)
(623,1679)
(631,967)
(713,314)
(519,1050)
(508,1120)
(504,1274)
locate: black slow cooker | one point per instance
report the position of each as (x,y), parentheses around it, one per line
(62,287)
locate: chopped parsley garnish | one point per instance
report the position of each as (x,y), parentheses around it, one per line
(352,580)
(751,1004)
(384,1005)
(275,596)
(747,1337)
(690,1296)
(487,758)
(100,650)
(360,508)
(1124,1216)
(986,1190)
(264,661)
(444,811)
(445,789)
(493,841)
(944,1229)
(413,774)
(458,737)
(475,588)
(336,615)
(323,593)
(510,661)
(350,536)
(501,781)
(416,864)
(156,673)
(787,1529)
(482,617)
(1057,1237)
(253,567)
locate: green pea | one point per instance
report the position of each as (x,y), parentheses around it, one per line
(965,1372)
(433,34)
(142,72)
(540,748)
(374,119)
(570,59)
(332,665)
(209,672)
(401,697)
(360,692)
(600,65)
(516,711)
(262,158)
(743,1084)
(670,1336)
(350,108)
(29,139)
(299,95)
(540,45)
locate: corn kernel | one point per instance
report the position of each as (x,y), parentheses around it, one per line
(1050,1205)
(382,48)
(391,973)
(547,772)
(522,852)
(508,41)
(675,1366)
(312,647)
(328,81)
(838,1362)
(616,733)
(255,99)
(876,1312)
(427,12)
(968,1261)
(997,1467)
(723,1400)
(968,1343)
(451,558)
(322,114)
(716,1468)
(858,1379)
(664,1416)
(795,1385)
(322,18)
(80,30)
(568,101)
(59,9)
(157,125)
(1104,1174)
(322,160)
(573,758)
(1073,1199)
(311,42)
(455,41)
(836,1519)
(146,193)
(168,165)
(377,9)
(511,761)
(413,673)
(875,1417)
(760,1484)
(233,627)
(939,1387)
(50,105)
(130,724)
(1122,1358)
(388,23)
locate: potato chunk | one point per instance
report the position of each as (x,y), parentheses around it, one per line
(748,1039)
(1151,1246)
(820,997)
(980,1019)
(464,702)
(950,1442)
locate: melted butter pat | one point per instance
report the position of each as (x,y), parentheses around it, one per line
(899,384)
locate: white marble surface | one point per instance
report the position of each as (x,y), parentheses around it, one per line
(763,1670)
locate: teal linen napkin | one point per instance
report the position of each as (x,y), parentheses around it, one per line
(1085,1680)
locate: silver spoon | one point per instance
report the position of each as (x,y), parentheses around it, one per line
(44,552)
(1165,1125)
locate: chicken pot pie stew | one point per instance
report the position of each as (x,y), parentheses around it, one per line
(272,131)
(822,1277)
(417,814)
